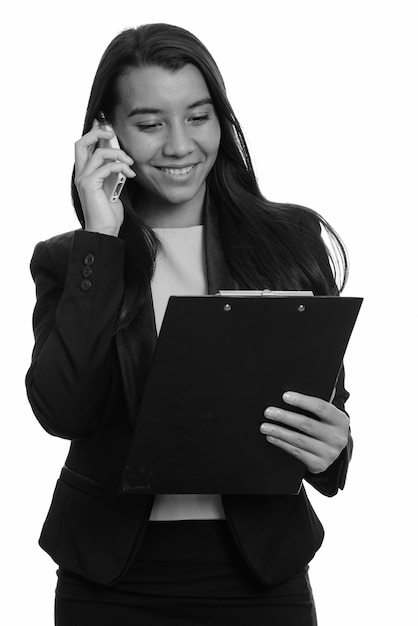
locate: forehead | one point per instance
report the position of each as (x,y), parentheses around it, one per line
(156,87)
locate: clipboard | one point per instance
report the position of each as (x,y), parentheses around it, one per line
(219,362)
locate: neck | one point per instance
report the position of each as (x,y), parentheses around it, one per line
(159,214)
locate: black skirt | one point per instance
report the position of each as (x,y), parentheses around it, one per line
(187,572)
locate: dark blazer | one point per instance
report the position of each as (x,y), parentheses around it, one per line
(84,384)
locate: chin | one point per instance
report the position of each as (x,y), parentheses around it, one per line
(180,196)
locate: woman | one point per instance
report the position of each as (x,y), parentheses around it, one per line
(190,220)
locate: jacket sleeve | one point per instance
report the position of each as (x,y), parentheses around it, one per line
(333,479)
(73,325)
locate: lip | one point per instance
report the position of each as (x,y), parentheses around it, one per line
(175,166)
(179,172)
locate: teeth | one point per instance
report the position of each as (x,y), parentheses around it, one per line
(176,171)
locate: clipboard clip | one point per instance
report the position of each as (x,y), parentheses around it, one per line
(264,292)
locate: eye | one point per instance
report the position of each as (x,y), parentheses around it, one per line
(149,128)
(199,119)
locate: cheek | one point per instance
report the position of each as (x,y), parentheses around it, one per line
(213,143)
(142,154)
(136,146)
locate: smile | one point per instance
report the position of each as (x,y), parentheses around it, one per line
(177,171)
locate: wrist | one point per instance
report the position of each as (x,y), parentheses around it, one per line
(112,232)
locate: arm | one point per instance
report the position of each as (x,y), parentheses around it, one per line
(322,443)
(325,444)
(75,313)
(333,478)
(73,326)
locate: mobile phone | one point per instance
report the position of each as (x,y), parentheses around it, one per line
(113,184)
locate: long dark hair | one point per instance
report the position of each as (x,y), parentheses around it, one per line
(266,244)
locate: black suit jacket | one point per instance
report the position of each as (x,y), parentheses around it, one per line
(84,384)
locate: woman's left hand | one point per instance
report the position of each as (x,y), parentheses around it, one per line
(319,441)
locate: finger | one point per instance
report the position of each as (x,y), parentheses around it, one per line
(112,167)
(292,438)
(321,408)
(91,138)
(95,180)
(85,147)
(314,463)
(103,155)
(308,425)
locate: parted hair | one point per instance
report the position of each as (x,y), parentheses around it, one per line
(266,244)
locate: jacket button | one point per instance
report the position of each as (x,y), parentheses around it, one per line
(89,259)
(85,285)
(86,271)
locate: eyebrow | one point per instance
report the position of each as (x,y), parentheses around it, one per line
(152,111)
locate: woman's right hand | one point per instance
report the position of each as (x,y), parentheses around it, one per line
(92,166)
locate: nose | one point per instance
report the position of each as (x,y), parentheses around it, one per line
(178,142)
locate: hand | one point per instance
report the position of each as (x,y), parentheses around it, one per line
(92,167)
(319,441)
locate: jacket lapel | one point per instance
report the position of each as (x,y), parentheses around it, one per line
(136,344)
(218,274)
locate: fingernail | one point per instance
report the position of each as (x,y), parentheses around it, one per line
(271,411)
(288,396)
(266,429)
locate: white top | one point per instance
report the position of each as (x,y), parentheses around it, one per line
(181,271)
(180,267)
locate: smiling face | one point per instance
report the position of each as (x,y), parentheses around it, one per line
(167,123)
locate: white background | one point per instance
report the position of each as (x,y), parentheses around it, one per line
(326,92)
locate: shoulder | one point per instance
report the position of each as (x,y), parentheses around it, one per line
(303,219)
(59,244)
(53,253)
(307,227)
(300,225)
(57,254)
